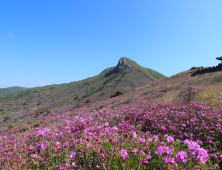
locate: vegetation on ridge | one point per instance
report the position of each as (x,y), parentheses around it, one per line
(153,75)
(172,123)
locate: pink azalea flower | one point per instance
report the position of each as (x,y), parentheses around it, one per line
(135,150)
(57,143)
(168,159)
(134,135)
(156,138)
(163,128)
(115,128)
(142,140)
(142,152)
(73,154)
(148,156)
(219,158)
(43,146)
(107,124)
(169,139)
(181,156)
(170,151)
(149,140)
(143,161)
(124,154)
(35,155)
(160,150)
(97,167)
(186,141)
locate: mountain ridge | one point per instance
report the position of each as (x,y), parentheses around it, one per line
(112,81)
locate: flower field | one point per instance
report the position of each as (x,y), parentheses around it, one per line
(138,136)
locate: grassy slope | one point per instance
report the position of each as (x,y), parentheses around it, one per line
(164,90)
(7,92)
(153,75)
(40,100)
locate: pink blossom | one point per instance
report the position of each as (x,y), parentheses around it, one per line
(134,135)
(148,156)
(97,167)
(107,124)
(143,161)
(156,138)
(23,135)
(142,152)
(142,140)
(169,139)
(135,150)
(168,159)
(160,150)
(73,154)
(181,156)
(43,146)
(124,154)
(149,140)
(163,128)
(219,158)
(115,128)
(34,155)
(186,141)
(170,151)
(57,143)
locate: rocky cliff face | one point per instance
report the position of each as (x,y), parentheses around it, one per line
(122,64)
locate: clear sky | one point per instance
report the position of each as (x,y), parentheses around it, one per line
(45,42)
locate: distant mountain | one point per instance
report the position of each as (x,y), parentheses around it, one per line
(9,91)
(111,82)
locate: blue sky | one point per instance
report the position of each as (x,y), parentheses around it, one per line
(54,41)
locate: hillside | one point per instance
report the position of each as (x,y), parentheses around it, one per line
(10,91)
(163,90)
(161,125)
(111,82)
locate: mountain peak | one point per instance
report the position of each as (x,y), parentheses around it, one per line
(123,64)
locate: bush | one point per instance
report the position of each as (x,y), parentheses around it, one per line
(87,101)
(217,79)
(11,126)
(7,118)
(39,103)
(30,122)
(36,125)
(118,93)
(189,92)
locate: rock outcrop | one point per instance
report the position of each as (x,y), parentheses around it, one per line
(122,65)
(202,70)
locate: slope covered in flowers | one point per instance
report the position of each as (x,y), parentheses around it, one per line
(138,136)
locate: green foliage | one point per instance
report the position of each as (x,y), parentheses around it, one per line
(31,122)
(118,93)
(52,88)
(127,102)
(114,102)
(11,126)
(94,90)
(87,101)
(36,125)
(153,75)
(39,103)
(217,79)
(7,118)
